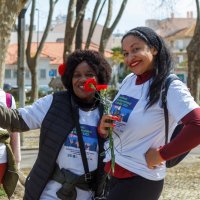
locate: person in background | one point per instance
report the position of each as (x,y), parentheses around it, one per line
(60,171)
(10,152)
(140,136)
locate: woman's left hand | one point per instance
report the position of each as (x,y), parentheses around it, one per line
(153,158)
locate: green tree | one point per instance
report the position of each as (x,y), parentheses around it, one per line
(117,56)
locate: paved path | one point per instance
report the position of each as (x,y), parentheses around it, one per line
(28,157)
(182,182)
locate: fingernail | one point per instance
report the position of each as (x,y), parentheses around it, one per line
(116,118)
(113,125)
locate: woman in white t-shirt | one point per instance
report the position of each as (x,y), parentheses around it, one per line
(62,170)
(139,137)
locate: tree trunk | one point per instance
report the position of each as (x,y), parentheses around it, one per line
(94,21)
(34,79)
(107,31)
(79,32)
(194,58)
(9,10)
(70,29)
(33,60)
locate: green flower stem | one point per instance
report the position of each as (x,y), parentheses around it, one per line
(111,142)
(111,146)
(106,103)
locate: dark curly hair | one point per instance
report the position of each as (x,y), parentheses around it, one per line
(94,59)
(163,64)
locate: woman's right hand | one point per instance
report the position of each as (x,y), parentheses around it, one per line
(106,123)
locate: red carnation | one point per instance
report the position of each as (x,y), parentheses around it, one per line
(61,69)
(101,87)
(90,85)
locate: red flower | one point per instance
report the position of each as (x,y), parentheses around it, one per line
(101,87)
(91,85)
(61,69)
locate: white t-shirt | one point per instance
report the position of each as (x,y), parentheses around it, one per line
(69,156)
(141,129)
(3,153)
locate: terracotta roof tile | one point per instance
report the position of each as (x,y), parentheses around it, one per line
(51,50)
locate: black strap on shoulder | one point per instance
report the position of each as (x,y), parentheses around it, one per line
(75,114)
(167,83)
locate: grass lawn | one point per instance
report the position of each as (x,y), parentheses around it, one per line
(2,193)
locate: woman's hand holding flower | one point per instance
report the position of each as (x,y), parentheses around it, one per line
(106,123)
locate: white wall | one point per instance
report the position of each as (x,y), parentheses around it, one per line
(43,78)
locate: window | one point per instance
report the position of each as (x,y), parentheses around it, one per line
(42,73)
(15,73)
(180,45)
(180,58)
(8,73)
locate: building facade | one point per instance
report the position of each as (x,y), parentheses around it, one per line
(177,33)
(52,53)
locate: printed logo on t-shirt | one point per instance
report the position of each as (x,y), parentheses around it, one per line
(122,107)
(89,134)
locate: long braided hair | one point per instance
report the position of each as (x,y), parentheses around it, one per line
(163,60)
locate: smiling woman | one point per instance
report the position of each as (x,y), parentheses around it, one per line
(68,122)
(139,137)
(82,72)
(138,56)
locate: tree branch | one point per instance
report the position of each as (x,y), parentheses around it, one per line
(94,22)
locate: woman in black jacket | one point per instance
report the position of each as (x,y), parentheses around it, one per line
(60,171)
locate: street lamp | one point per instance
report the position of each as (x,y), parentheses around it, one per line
(38,25)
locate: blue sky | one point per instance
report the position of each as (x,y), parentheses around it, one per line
(135,14)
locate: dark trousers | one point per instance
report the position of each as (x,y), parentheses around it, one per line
(135,188)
